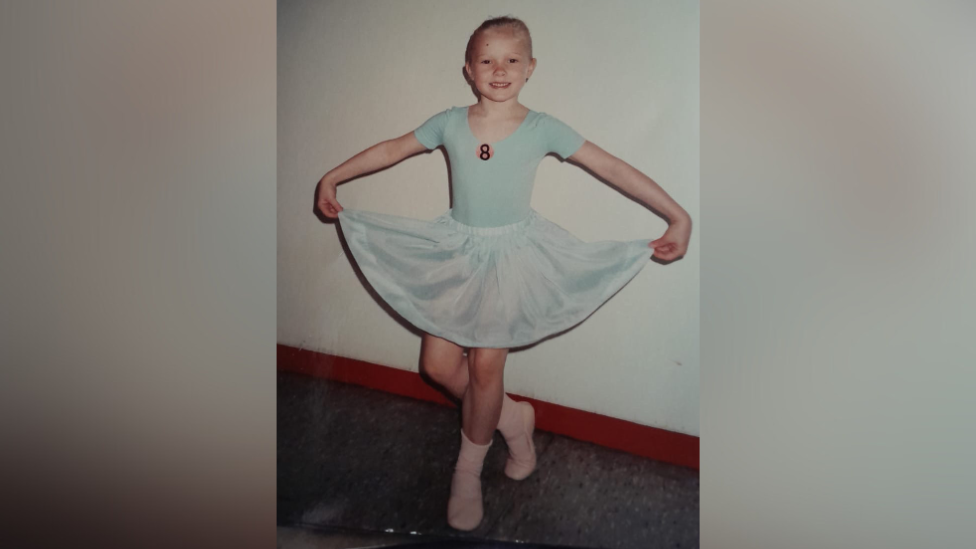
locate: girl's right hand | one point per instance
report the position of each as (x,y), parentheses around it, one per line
(327,203)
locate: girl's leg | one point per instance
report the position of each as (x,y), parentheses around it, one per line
(480,410)
(445,363)
(482,403)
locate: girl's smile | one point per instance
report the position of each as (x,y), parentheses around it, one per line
(500,65)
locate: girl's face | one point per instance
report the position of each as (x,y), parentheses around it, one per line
(499,57)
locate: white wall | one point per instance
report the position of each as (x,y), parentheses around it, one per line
(624,74)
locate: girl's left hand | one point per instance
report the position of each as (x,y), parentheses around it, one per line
(674,242)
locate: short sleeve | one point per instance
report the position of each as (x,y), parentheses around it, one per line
(560,138)
(431,133)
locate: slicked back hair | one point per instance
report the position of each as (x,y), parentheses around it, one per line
(513,23)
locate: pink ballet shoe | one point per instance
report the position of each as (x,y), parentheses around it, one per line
(465,508)
(517,424)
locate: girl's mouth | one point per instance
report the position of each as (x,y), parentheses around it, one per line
(500,86)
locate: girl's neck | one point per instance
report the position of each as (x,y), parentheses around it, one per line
(496,111)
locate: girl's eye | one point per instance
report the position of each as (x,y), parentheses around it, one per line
(485,61)
(516,60)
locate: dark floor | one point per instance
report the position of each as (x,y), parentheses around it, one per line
(366,461)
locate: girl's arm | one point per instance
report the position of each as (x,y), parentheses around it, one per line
(375,158)
(674,243)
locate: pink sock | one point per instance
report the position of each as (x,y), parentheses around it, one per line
(465,507)
(517,423)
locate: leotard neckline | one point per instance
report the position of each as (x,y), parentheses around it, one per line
(467,124)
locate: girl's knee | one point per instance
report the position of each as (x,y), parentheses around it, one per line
(485,366)
(440,358)
(438,367)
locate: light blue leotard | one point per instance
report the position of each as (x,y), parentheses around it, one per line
(497,191)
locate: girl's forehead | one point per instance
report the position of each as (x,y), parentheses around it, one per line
(504,40)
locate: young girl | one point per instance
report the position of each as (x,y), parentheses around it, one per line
(490,273)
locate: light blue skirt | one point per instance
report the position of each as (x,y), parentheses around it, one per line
(498,287)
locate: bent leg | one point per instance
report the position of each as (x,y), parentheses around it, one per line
(445,363)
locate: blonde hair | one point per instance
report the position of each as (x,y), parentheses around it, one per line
(517,26)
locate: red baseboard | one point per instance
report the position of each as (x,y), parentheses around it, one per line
(650,442)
